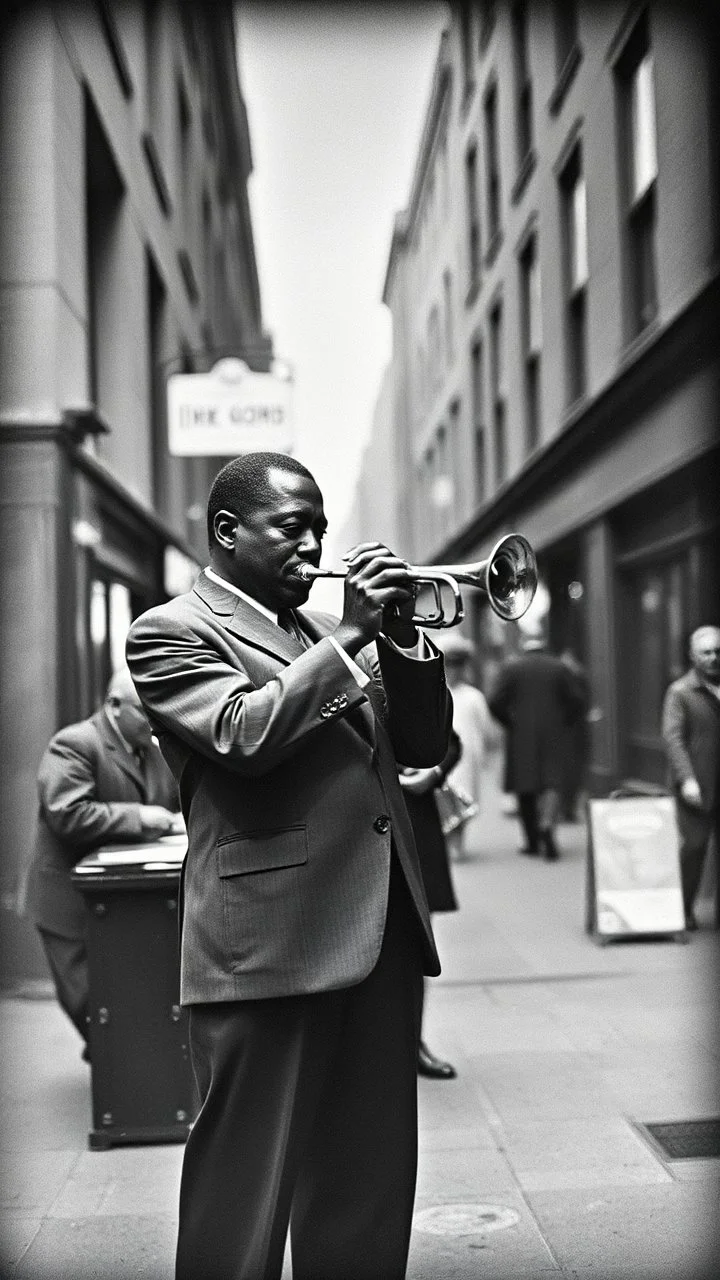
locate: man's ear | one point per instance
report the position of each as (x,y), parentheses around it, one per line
(224,526)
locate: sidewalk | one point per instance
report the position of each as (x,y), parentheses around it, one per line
(560,1046)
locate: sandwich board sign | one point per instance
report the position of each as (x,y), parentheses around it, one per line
(230,410)
(633,868)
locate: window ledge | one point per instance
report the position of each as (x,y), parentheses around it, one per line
(156,173)
(565,79)
(473,291)
(493,248)
(115,45)
(573,408)
(639,343)
(523,177)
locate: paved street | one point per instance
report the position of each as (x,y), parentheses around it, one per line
(560,1044)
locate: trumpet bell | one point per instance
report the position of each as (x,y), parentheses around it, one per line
(508,576)
(511,577)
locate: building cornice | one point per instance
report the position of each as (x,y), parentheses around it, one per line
(671,355)
(237,161)
(65,433)
(404,221)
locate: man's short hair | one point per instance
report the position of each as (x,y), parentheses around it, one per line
(698,632)
(243,484)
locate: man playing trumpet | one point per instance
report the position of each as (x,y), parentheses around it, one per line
(305,927)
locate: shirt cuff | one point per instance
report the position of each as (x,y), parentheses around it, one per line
(419,651)
(355,671)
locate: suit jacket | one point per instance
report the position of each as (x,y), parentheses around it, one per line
(691,731)
(90,791)
(288,782)
(537,698)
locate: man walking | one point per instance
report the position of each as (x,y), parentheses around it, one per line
(101,780)
(691,730)
(305,925)
(537,698)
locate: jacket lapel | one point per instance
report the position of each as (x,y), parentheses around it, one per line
(252,627)
(246,622)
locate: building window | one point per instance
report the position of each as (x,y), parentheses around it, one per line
(478,411)
(448,309)
(434,348)
(574,228)
(184,192)
(104,199)
(492,167)
(488,14)
(466,46)
(207,233)
(498,394)
(636,91)
(523,83)
(153,138)
(565,22)
(531,301)
(453,453)
(156,301)
(110,613)
(473,215)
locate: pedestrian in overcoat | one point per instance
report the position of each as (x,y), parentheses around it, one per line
(691,730)
(536,698)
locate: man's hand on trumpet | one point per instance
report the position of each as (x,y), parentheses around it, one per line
(379,596)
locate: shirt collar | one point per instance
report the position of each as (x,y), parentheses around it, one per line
(229,586)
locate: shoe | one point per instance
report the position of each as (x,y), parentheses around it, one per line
(432,1067)
(548,842)
(691,923)
(530,850)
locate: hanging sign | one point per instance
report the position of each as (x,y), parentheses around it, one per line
(230,410)
(634,867)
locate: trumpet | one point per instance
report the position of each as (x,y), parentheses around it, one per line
(508,577)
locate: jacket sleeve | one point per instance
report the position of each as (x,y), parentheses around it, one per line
(68,797)
(191,690)
(674,736)
(419,705)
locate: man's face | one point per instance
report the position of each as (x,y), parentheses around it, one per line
(270,542)
(130,719)
(705,653)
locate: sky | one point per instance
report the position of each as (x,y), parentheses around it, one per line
(336,98)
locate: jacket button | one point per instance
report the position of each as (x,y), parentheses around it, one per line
(382,824)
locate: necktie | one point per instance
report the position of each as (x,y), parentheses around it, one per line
(287,621)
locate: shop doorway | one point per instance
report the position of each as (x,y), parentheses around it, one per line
(654,612)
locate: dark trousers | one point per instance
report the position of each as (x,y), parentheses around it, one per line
(696,829)
(67,958)
(308,1118)
(538,813)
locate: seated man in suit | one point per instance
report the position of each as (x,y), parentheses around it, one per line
(100,781)
(305,925)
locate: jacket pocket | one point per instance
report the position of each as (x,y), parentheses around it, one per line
(252,851)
